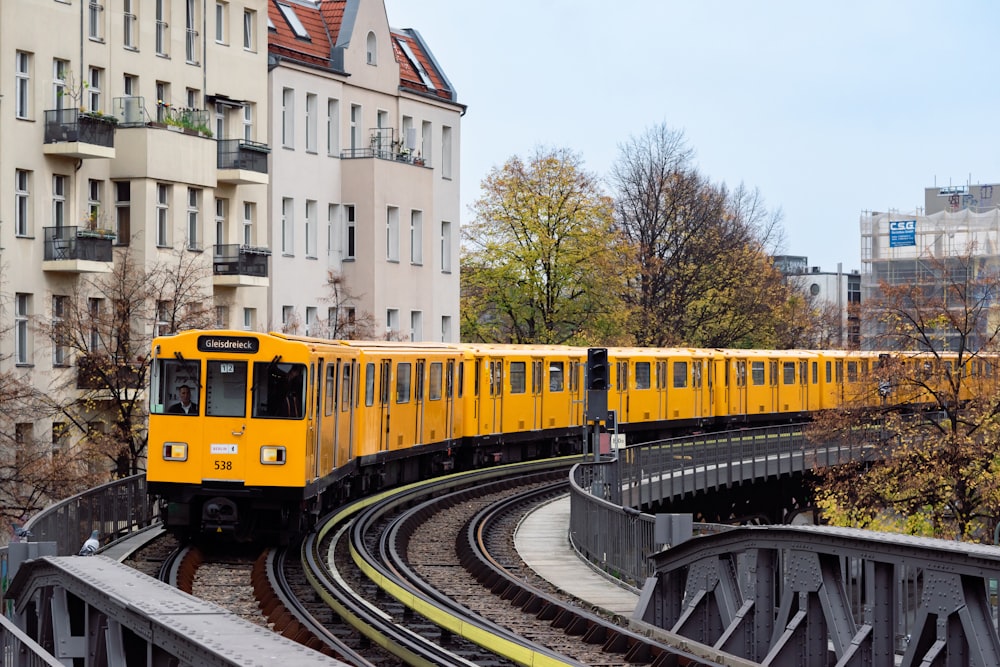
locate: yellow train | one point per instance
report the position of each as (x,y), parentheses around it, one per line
(254,435)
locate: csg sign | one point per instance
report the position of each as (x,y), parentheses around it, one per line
(902,233)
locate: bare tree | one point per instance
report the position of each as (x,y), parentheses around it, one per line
(107,324)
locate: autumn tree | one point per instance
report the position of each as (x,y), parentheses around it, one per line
(806,321)
(107,325)
(939,470)
(348,323)
(697,262)
(536,261)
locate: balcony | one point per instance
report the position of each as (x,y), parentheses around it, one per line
(77,250)
(75,134)
(242,162)
(235,265)
(383,146)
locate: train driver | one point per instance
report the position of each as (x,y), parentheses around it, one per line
(185,406)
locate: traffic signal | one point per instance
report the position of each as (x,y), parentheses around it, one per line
(597,369)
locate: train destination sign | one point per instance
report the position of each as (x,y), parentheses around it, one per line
(902,233)
(231,344)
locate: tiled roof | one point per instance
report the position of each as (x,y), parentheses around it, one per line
(324,21)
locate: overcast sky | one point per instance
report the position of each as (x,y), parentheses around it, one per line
(829,108)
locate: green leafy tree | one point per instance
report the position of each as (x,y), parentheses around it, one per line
(537,262)
(939,470)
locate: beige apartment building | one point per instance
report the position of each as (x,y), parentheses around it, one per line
(262,145)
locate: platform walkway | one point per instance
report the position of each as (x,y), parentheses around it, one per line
(542,540)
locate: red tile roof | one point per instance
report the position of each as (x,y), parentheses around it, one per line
(324,21)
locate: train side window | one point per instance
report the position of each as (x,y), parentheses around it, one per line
(757,373)
(829,370)
(840,372)
(278,389)
(166,379)
(461,379)
(434,390)
(418,380)
(226,389)
(696,374)
(741,373)
(680,374)
(788,372)
(642,375)
(369,384)
(815,367)
(852,371)
(556,379)
(331,388)
(386,375)
(403,382)
(773,367)
(345,388)
(517,379)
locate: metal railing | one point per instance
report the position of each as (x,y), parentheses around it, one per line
(243,154)
(77,243)
(75,125)
(233,259)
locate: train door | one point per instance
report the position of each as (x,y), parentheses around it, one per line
(385,396)
(537,382)
(622,386)
(418,401)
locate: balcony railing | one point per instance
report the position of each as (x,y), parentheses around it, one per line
(233,259)
(74,125)
(383,145)
(75,243)
(243,154)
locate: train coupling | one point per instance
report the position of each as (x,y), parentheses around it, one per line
(219,515)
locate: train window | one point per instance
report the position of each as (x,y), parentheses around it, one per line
(226,389)
(574,376)
(167,378)
(385,377)
(829,369)
(864,369)
(642,375)
(517,379)
(418,380)
(852,371)
(345,387)
(741,373)
(331,390)
(536,377)
(696,374)
(788,372)
(773,367)
(803,372)
(556,379)
(278,389)
(449,388)
(434,390)
(840,372)
(403,382)
(757,373)
(680,374)
(369,384)
(815,366)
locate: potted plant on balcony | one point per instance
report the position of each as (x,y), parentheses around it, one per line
(95,226)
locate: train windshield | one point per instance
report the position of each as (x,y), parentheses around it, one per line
(278,389)
(175,387)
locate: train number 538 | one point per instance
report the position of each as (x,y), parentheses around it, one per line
(223,465)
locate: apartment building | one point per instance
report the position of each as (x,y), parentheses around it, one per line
(364,180)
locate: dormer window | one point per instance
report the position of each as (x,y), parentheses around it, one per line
(371,49)
(293,21)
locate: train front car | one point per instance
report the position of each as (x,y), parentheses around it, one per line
(228,433)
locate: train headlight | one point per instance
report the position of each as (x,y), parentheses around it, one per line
(175,451)
(273,455)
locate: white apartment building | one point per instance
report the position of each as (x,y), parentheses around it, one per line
(364,182)
(836,292)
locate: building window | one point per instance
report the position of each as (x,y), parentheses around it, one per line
(221,208)
(392,234)
(60,73)
(248,215)
(332,236)
(311,320)
(356,142)
(332,127)
(95,20)
(371,49)
(58,200)
(288,324)
(192,95)
(94,190)
(163,317)
(162,101)
(445,329)
(222,317)
(424,151)
(248,122)
(22,201)
(391,322)
(287,117)
(130,86)
(249,315)
(94,88)
(249,30)
(60,437)
(446,247)
(287,225)
(129,8)
(22,310)
(191,31)
(349,231)
(59,336)
(193,226)
(293,21)
(416,237)
(446,152)
(416,325)
(221,21)
(22,84)
(123,212)
(162,213)
(311,122)
(95,308)
(310,228)
(162,36)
